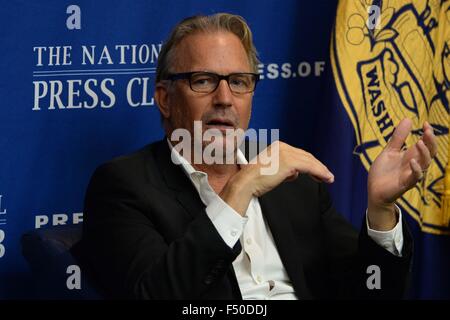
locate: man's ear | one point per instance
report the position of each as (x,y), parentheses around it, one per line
(162,99)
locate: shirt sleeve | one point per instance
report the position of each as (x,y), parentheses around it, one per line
(228,223)
(391,240)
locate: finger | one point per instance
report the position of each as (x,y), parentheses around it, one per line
(427,125)
(416,170)
(400,134)
(314,169)
(301,154)
(293,177)
(305,162)
(425,156)
(430,139)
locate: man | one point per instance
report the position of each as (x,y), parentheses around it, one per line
(159,225)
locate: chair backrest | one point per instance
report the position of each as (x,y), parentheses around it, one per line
(56,267)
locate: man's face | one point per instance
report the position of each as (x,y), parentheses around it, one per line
(221,53)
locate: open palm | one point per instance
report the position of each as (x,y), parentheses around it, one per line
(396,170)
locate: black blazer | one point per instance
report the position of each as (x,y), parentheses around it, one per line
(146,235)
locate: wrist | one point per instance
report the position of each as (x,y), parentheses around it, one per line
(237,194)
(382,216)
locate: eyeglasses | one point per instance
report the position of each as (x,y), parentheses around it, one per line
(207,82)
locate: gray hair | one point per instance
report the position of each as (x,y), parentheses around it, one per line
(213,23)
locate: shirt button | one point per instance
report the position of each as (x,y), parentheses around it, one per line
(249,241)
(258,279)
(233,233)
(209,279)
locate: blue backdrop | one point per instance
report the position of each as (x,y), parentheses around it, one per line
(76,88)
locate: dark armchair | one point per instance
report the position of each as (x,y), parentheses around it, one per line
(50,252)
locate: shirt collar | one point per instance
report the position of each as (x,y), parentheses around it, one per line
(188,168)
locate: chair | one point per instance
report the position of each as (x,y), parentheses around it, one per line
(49,252)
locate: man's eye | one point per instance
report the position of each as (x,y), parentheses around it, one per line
(240,82)
(203,81)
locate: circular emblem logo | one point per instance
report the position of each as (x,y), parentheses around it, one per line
(391,62)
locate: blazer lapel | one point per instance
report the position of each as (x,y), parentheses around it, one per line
(187,196)
(177,181)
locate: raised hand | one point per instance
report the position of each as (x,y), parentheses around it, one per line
(252,181)
(397,170)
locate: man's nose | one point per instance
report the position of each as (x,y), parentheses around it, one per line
(223,95)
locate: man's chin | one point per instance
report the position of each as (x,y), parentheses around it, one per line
(220,151)
(223,144)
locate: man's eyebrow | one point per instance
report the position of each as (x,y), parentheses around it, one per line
(220,73)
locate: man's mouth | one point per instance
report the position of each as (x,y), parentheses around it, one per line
(220,123)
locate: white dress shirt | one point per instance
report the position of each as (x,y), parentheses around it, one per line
(259,270)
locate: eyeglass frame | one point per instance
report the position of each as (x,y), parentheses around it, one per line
(188,76)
